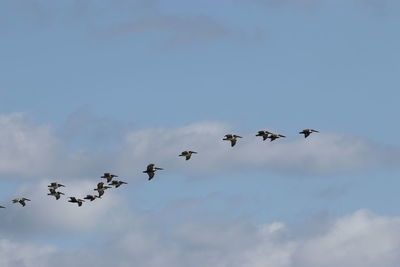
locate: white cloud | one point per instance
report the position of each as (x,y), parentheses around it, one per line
(50,217)
(361,239)
(30,150)
(26,149)
(14,254)
(323,153)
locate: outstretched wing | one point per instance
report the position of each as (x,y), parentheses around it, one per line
(228,136)
(151,175)
(233,142)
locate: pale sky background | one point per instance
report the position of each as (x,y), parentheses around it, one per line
(109,86)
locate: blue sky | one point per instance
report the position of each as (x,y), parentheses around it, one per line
(96,86)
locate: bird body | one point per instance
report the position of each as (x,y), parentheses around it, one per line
(76,200)
(275,136)
(20,201)
(101,188)
(55,185)
(1,207)
(91,197)
(117,183)
(307,132)
(108,176)
(55,193)
(151,169)
(187,154)
(232,138)
(264,134)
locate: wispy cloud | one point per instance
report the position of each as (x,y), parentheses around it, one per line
(183,30)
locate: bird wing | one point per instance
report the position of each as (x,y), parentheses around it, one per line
(151,175)
(100,185)
(233,142)
(101,192)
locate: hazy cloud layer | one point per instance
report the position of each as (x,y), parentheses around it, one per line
(25,148)
(323,153)
(30,150)
(359,239)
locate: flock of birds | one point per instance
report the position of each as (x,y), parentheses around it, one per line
(150,171)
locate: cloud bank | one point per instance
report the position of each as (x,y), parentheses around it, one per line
(29,150)
(358,239)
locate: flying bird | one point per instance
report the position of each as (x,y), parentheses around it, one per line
(76,200)
(232,138)
(307,132)
(275,136)
(20,201)
(91,197)
(101,188)
(108,176)
(117,183)
(55,193)
(151,169)
(55,185)
(187,154)
(264,134)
